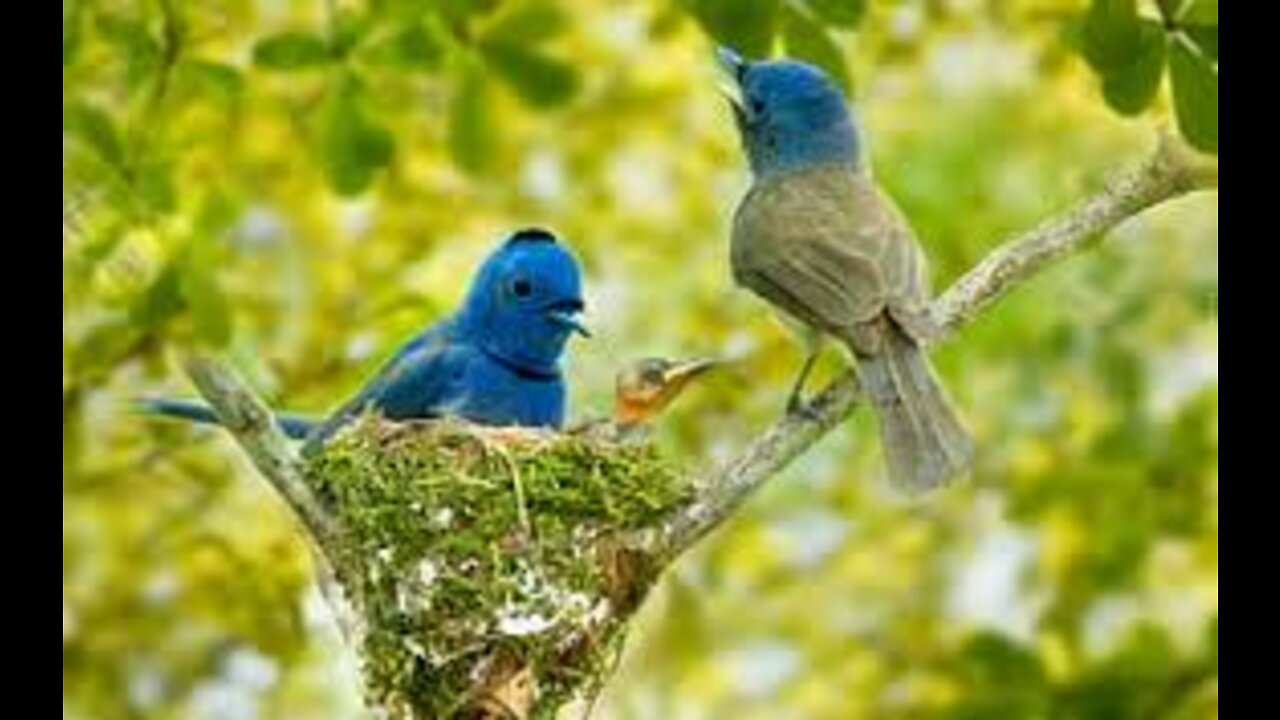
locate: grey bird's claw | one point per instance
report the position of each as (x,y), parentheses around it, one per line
(799,407)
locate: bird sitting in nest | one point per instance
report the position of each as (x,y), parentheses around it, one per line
(643,390)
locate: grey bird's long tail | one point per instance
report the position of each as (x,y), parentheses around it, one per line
(925,444)
(294,426)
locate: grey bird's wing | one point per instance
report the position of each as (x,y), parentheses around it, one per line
(827,248)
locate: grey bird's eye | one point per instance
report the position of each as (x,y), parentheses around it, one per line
(522,287)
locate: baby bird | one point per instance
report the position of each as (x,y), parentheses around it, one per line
(643,390)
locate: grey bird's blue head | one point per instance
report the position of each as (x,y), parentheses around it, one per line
(524,302)
(790,114)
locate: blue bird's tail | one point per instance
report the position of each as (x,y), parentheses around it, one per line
(294,426)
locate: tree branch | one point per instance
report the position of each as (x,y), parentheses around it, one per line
(1171,171)
(252,425)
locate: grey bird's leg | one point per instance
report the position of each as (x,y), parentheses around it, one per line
(796,404)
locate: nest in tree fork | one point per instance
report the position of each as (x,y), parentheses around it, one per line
(493,571)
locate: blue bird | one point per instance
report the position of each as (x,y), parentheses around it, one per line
(816,238)
(496,361)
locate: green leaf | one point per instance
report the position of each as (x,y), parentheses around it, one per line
(210,311)
(991,660)
(1205,37)
(353,146)
(221,83)
(1200,12)
(290,51)
(1195,96)
(1130,87)
(131,39)
(71,30)
(1169,8)
(539,80)
(528,25)
(459,11)
(154,186)
(747,26)
(414,46)
(93,127)
(162,300)
(1110,33)
(470,127)
(807,40)
(841,13)
(349,28)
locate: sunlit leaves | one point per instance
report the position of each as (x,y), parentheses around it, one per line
(290,51)
(509,47)
(352,145)
(93,127)
(539,80)
(413,46)
(747,26)
(161,301)
(135,44)
(1195,95)
(841,13)
(210,311)
(216,82)
(528,25)
(1128,52)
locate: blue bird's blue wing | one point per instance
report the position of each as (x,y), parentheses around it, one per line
(293,426)
(415,383)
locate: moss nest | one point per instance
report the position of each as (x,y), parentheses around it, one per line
(491,568)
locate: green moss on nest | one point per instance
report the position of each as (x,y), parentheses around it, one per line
(465,548)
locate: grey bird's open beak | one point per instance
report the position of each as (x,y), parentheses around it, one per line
(731,66)
(568,320)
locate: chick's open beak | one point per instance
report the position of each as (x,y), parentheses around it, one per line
(679,374)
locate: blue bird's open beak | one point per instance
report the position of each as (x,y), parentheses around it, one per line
(567,317)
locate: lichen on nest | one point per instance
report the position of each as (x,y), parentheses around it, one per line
(467,550)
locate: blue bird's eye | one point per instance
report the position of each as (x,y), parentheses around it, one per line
(756,105)
(522,287)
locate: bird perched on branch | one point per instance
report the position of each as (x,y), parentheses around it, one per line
(642,391)
(496,361)
(816,238)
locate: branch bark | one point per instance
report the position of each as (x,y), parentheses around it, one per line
(251,424)
(1171,171)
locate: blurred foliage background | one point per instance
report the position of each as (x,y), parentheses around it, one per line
(302,185)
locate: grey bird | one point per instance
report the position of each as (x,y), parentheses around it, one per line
(816,238)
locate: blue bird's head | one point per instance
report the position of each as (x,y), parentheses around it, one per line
(524,301)
(790,114)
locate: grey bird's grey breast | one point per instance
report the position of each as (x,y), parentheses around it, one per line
(827,248)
